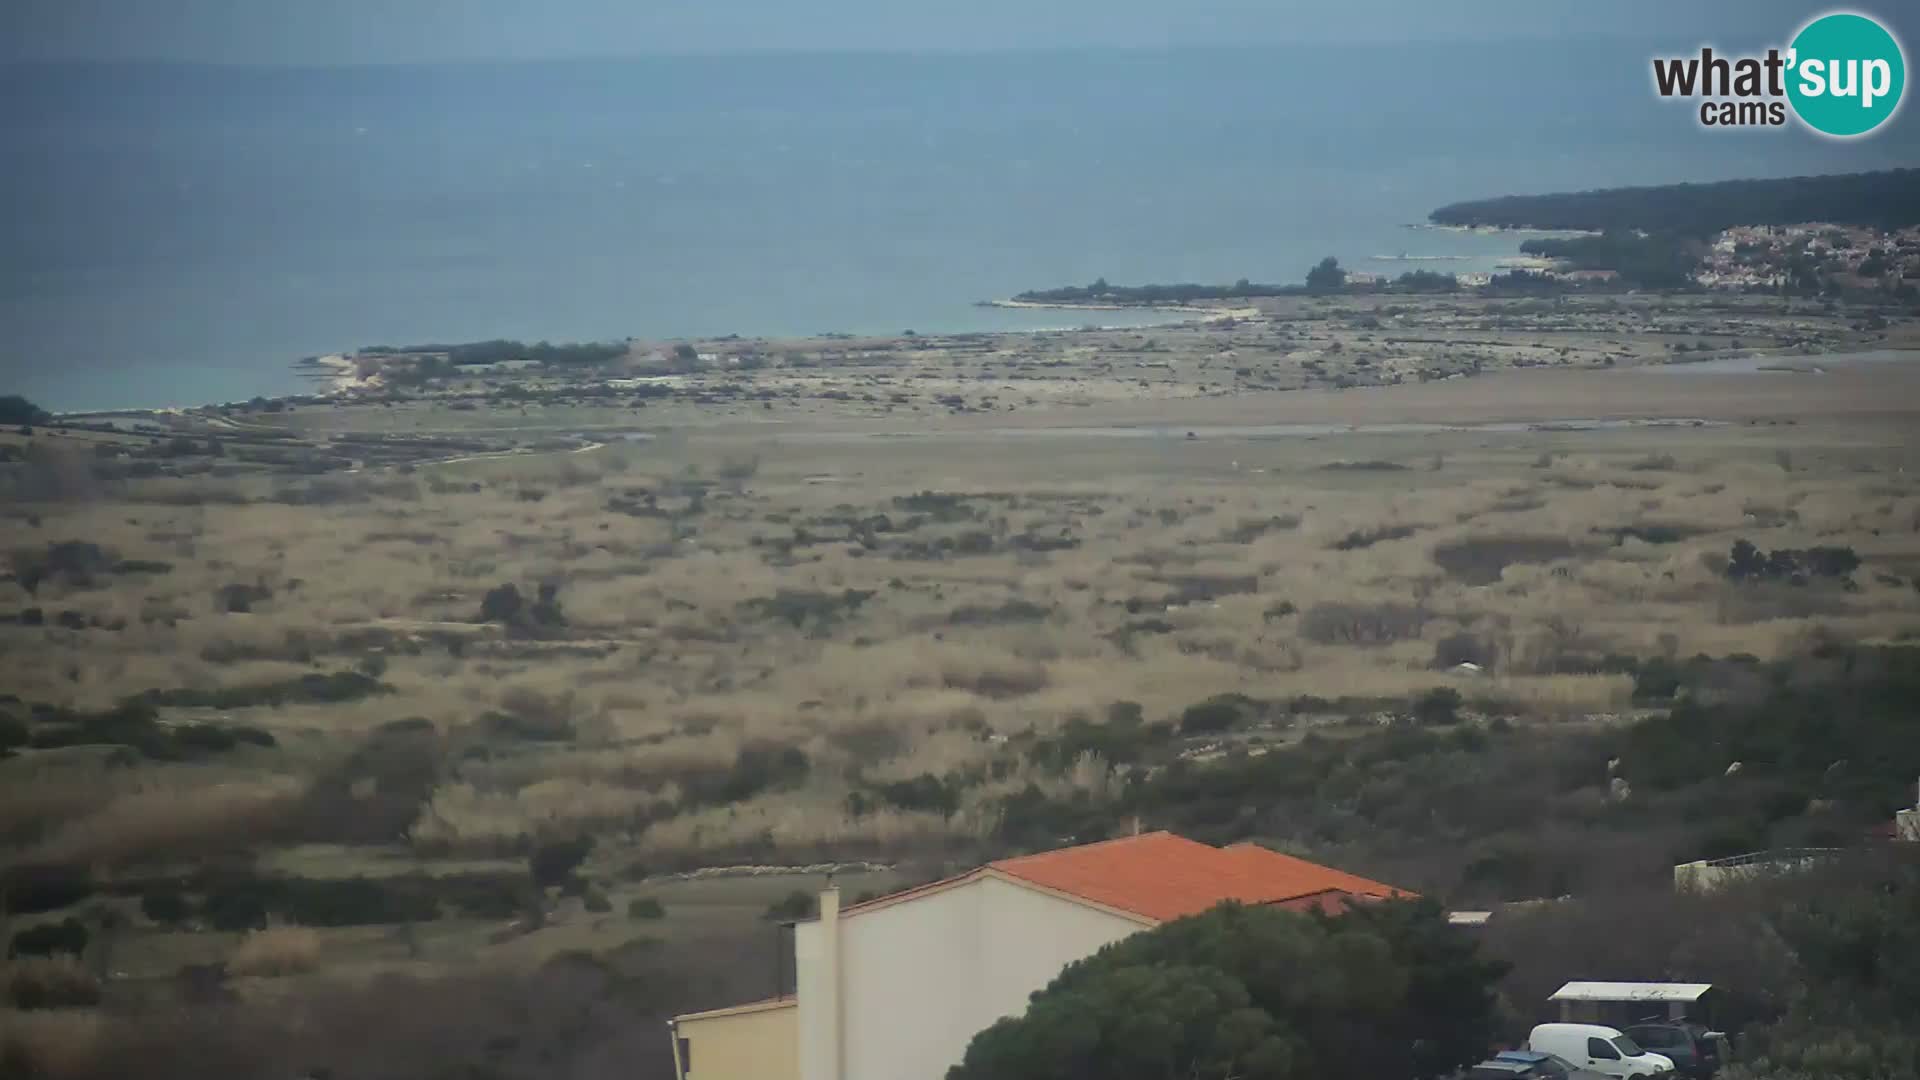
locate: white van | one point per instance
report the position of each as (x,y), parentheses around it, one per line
(1599,1048)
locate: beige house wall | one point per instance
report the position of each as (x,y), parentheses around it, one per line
(922,976)
(753,1043)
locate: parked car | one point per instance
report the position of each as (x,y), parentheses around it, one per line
(1598,1047)
(1695,1050)
(1545,1064)
(1529,1065)
(1496,1069)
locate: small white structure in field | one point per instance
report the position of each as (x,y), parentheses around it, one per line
(1906,823)
(1586,1001)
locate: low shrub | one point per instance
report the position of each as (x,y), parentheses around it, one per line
(32,890)
(1746,562)
(275,952)
(1218,713)
(249,903)
(1364,466)
(1366,538)
(1481,561)
(332,688)
(1123,739)
(240,598)
(925,792)
(553,862)
(757,767)
(1441,705)
(55,981)
(796,905)
(1334,623)
(1279,611)
(1652,534)
(1015,610)
(484,896)
(77,562)
(350,901)
(646,907)
(1247,530)
(803,606)
(14,733)
(165,906)
(66,936)
(505,605)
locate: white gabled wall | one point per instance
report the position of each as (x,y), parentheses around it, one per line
(922,976)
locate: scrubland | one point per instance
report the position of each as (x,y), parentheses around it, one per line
(277,734)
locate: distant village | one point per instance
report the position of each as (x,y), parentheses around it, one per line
(1848,256)
(1808,257)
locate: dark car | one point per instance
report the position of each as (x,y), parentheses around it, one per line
(1529,1065)
(1695,1050)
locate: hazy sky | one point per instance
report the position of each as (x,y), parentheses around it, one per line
(388,31)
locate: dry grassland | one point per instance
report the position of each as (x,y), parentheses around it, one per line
(771,636)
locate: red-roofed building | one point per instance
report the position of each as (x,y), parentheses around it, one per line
(897,987)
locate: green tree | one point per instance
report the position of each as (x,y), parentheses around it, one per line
(1858,943)
(1257,993)
(16,410)
(1327,276)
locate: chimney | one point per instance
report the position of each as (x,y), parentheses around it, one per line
(830,1012)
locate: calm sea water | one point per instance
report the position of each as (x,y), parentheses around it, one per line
(177,235)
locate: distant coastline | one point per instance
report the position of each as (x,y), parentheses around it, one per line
(1886,199)
(1099,305)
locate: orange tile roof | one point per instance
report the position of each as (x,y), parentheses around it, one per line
(1163,876)
(1312,876)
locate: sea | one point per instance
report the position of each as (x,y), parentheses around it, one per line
(175,235)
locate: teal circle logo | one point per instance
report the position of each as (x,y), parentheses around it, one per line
(1846,74)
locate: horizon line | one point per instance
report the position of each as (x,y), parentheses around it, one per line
(902,50)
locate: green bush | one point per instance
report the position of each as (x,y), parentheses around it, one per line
(1746,562)
(14,733)
(756,768)
(925,792)
(484,896)
(595,900)
(1441,705)
(1333,623)
(32,890)
(351,901)
(51,982)
(553,862)
(805,606)
(1218,713)
(646,907)
(332,688)
(796,905)
(165,906)
(248,903)
(16,411)
(1366,538)
(68,935)
(1220,994)
(1482,560)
